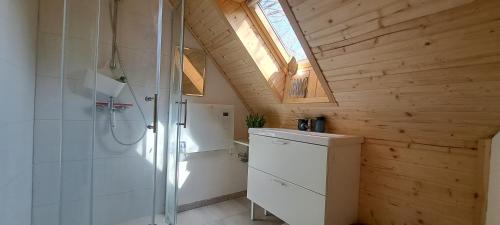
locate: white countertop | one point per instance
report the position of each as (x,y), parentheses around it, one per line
(307,137)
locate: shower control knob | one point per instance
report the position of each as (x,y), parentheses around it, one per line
(148,99)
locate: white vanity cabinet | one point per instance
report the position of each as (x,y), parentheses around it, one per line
(305,178)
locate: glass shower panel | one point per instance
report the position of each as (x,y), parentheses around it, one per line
(125,157)
(65,115)
(80,33)
(47,163)
(98,88)
(109,87)
(177,107)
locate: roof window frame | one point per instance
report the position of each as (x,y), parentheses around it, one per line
(252,10)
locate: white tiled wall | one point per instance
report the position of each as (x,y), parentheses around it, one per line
(18,21)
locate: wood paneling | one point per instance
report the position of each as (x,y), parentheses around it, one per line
(417,184)
(420,79)
(261,56)
(209,25)
(485,149)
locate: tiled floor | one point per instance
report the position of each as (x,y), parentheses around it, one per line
(233,212)
(160,220)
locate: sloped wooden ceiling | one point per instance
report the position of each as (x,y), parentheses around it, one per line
(211,28)
(420,79)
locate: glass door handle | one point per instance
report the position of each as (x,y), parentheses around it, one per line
(155,114)
(154,126)
(185,103)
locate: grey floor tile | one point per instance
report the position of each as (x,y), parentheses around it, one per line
(232,212)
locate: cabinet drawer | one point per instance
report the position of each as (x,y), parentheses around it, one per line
(291,203)
(299,163)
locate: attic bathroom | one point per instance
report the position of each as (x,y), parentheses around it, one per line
(249,112)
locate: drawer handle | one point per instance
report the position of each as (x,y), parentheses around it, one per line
(280,182)
(280,142)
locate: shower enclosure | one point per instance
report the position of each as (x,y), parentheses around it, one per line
(107,112)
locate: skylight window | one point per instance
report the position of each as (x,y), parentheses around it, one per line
(277,24)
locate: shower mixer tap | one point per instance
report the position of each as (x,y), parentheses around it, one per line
(111,104)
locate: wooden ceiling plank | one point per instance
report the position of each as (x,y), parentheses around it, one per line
(312,60)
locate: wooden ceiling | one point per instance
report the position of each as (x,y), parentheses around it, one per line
(209,25)
(420,79)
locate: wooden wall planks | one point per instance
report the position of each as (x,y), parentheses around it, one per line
(419,79)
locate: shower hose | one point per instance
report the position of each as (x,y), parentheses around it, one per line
(121,68)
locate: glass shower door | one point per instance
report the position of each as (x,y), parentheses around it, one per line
(128,169)
(112,151)
(102,81)
(177,111)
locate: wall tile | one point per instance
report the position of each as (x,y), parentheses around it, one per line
(81,19)
(16,150)
(46,185)
(15,207)
(18,42)
(17,91)
(48,98)
(76,181)
(77,100)
(123,174)
(51,16)
(77,140)
(46,214)
(122,207)
(76,212)
(49,54)
(47,136)
(79,57)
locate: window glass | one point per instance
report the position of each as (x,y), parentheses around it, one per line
(276,17)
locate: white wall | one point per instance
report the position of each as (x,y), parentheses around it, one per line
(493,213)
(18,21)
(213,174)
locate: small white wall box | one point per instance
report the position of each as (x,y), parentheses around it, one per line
(210,127)
(103,84)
